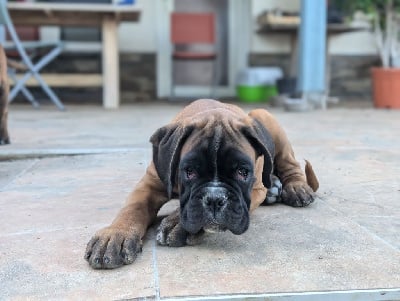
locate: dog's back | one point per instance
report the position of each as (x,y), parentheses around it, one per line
(4,89)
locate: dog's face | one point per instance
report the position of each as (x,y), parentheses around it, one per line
(215,182)
(212,169)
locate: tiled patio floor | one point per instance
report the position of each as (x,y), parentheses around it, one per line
(68,173)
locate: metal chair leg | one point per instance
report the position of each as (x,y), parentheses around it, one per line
(35,73)
(18,86)
(33,69)
(53,97)
(28,95)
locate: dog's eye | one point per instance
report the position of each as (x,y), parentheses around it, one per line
(242,173)
(190,173)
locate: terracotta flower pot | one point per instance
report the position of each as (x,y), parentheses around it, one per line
(386,87)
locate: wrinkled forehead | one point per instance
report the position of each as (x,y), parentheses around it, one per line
(213,141)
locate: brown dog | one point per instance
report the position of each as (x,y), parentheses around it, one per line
(4,88)
(221,163)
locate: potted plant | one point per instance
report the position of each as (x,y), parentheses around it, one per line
(385,18)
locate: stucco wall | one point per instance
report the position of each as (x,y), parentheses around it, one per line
(357,43)
(141,37)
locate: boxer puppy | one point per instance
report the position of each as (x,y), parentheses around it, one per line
(222,164)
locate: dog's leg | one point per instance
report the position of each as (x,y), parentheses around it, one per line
(4,137)
(171,233)
(4,89)
(119,243)
(295,188)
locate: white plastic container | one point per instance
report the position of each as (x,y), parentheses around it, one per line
(257,84)
(269,75)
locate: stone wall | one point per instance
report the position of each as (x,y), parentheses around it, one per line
(137,77)
(350,75)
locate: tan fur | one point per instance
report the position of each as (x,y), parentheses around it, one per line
(150,193)
(285,160)
(312,180)
(259,192)
(4,90)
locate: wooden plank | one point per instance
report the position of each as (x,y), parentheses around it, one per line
(76,80)
(293,29)
(110,64)
(67,18)
(42,6)
(70,14)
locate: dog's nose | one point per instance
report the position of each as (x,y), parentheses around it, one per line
(215,202)
(215,198)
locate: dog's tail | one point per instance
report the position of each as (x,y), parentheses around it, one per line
(312,180)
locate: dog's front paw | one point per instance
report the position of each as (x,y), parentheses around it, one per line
(171,233)
(110,248)
(297,194)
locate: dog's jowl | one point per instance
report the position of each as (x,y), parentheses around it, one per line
(4,138)
(222,164)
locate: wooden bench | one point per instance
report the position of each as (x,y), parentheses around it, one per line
(105,16)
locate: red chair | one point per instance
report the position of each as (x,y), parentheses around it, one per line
(191,29)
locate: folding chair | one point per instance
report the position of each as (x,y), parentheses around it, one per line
(26,65)
(191,29)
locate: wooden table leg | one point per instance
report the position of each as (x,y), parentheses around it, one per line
(110,63)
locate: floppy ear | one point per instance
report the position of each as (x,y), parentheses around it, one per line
(263,143)
(167,145)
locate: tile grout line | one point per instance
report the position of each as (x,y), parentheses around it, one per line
(56,229)
(378,237)
(156,277)
(346,295)
(19,175)
(371,232)
(63,152)
(388,244)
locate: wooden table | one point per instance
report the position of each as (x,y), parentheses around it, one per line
(292,28)
(105,16)
(293,31)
